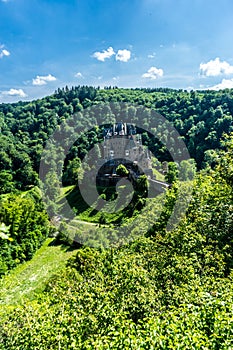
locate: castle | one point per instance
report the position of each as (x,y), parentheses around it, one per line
(123,145)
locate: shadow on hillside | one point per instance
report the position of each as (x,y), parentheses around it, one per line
(65,247)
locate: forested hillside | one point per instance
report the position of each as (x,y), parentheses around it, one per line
(200,118)
(169,290)
(164,289)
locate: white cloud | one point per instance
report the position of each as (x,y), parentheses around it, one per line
(153,73)
(43,80)
(152,55)
(101,56)
(225,84)
(14,92)
(3,52)
(123,55)
(78,75)
(216,67)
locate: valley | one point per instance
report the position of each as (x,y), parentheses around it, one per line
(91,255)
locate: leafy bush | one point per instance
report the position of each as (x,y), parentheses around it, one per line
(28,227)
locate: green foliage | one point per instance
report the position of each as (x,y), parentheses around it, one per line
(6,182)
(201,118)
(170,290)
(27,226)
(121,170)
(73,172)
(225,166)
(142,186)
(172,173)
(187,170)
(102,219)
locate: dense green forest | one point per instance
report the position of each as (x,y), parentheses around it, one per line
(164,289)
(200,117)
(169,290)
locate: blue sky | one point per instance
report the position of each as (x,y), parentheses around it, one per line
(46,44)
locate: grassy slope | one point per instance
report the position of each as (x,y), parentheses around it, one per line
(30,277)
(84,213)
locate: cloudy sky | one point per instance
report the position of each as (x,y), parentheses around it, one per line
(46,44)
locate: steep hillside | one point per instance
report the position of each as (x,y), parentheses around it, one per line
(169,290)
(137,282)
